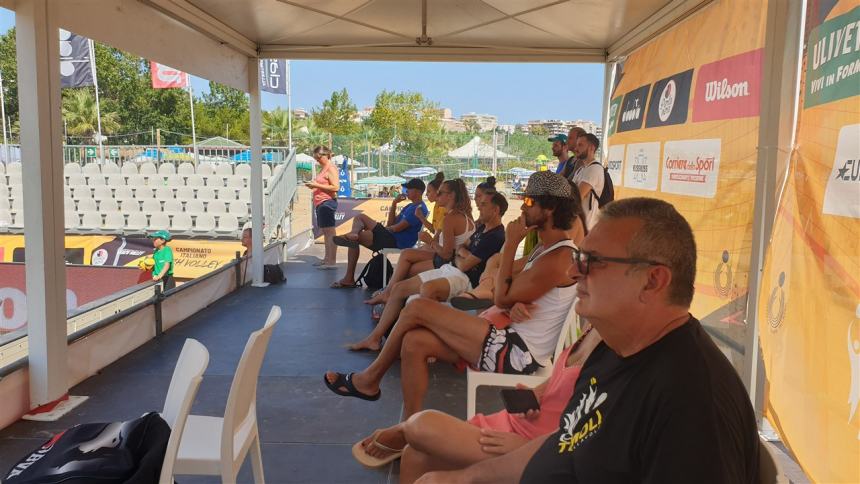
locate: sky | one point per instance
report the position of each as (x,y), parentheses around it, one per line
(516,93)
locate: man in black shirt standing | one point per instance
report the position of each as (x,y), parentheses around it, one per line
(655,402)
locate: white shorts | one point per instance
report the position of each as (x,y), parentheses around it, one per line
(458,282)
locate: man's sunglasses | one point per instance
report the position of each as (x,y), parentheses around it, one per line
(528,201)
(583,260)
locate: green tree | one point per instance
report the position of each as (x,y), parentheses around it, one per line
(276,125)
(79,112)
(9,70)
(337,115)
(538,130)
(472,126)
(406,115)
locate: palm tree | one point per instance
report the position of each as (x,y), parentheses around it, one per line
(276,124)
(79,112)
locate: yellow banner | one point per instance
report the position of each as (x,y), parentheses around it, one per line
(684,123)
(810,298)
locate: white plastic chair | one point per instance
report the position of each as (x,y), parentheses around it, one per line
(243,169)
(163,193)
(71,219)
(87,205)
(195,181)
(205,193)
(214,180)
(267,171)
(245,194)
(123,193)
(181,223)
(91,169)
(224,169)
(185,168)
(166,168)
(77,179)
(115,180)
(108,205)
(239,208)
(79,192)
(128,168)
(129,206)
(227,224)
(147,168)
(194,207)
(114,221)
(218,446)
(234,181)
(102,193)
(90,220)
(150,205)
(110,167)
(769,469)
(475,379)
(184,384)
(226,194)
(174,180)
(172,205)
(205,169)
(204,223)
(385,253)
(71,168)
(96,180)
(159,220)
(185,193)
(216,207)
(135,180)
(136,223)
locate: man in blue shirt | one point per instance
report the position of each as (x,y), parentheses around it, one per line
(400,231)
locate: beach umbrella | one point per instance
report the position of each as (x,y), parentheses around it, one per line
(474,173)
(381,180)
(419,172)
(365,170)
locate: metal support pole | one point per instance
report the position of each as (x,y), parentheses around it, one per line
(238,270)
(256,172)
(38,57)
(608,79)
(3,114)
(98,104)
(781,56)
(159,325)
(193,126)
(289,106)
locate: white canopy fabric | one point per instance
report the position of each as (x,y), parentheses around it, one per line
(476,148)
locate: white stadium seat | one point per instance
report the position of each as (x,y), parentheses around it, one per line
(227,194)
(16,191)
(235,181)
(172,205)
(204,223)
(136,222)
(205,193)
(71,168)
(194,207)
(128,206)
(80,192)
(110,167)
(4,192)
(96,180)
(147,168)
(216,207)
(163,193)
(245,194)
(91,169)
(69,204)
(195,181)
(108,205)
(143,193)
(185,193)
(224,169)
(91,220)
(159,221)
(87,205)
(128,168)
(115,180)
(17,205)
(227,224)
(4,203)
(166,168)
(244,169)
(173,180)
(150,206)
(215,181)
(17,221)
(76,179)
(114,221)
(267,171)
(123,192)
(238,208)
(72,220)
(102,193)
(181,222)
(205,169)
(134,180)
(13,167)
(67,191)
(13,179)
(185,168)
(5,219)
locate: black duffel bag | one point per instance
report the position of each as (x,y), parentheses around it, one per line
(128,452)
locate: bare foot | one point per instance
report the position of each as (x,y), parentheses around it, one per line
(358,381)
(392,437)
(367,344)
(378,298)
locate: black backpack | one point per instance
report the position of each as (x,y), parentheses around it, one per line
(128,452)
(371,275)
(608,194)
(273,274)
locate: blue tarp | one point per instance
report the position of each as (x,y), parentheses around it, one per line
(246,156)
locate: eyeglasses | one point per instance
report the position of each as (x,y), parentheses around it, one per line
(584,260)
(443,192)
(528,201)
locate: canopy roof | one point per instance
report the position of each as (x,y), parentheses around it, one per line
(214,38)
(219,142)
(476,148)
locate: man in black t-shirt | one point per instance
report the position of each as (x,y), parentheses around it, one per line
(657,401)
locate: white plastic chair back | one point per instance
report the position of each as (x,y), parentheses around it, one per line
(71,168)
(14,178)
(115,180)
(172,205)
(150,206)
(159,220)
(163,193)
(6,218)
(235,181)
(71,218)
(123,193)
(245,194)
(213,180)
(102,193)
(129,206)
(17,191)
(769,469)
(77,179)
(108,205)
(174,180)
(114,220)
(238,208)
(143,193)
(136,222)
(224,169)
(205,169)
(91,169)
(91,220)
(110,167)
(96,180)
(135,180)
(195,181)
(185,168)
(216,207)
(204,223)
(267,171)
(78,192)
(147,168)
(227,223)
(227,194)
(184,384)
(166,168)
(243,169)
(87,204)
(128,168)
(17,221)
(4,192)
(181,222)
(185,193)
(67,191)
(194,207)
(205,193)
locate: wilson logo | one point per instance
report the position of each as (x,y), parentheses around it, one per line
(719,90)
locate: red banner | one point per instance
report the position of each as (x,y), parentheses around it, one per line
(729,88)
(164,77)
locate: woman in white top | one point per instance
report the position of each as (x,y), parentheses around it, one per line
(457,227)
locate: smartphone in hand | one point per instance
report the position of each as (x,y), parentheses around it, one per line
(519,400)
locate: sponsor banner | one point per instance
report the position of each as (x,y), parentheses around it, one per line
(192,258)
(614,109)
(633,109)
(83,285)
(833,60)
(349,208)
(729,88)
(809,305)
(670,100)
(691,167)
(842,195)
(615,163)
(642,166)
(75,67)
(164,77)
(273,76)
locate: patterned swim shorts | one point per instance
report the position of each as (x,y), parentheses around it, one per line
(506,352)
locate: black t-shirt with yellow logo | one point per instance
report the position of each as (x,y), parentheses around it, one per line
(676,412)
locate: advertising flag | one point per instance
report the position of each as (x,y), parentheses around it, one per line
(75,67)
(633,109)
(164,77)
(273,76)
(343,179)
(670,100)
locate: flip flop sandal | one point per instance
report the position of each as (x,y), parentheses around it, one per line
(344,242)
(376,312)
(373,462)
(340,285)
(470,302)
(351,391)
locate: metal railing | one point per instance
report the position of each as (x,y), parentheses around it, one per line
(279,196)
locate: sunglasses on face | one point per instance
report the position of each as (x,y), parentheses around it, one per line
(528,201)
(583,260)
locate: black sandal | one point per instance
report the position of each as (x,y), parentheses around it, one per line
(351,391)
(470,303)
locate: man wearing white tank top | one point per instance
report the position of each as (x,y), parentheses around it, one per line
(427,328)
